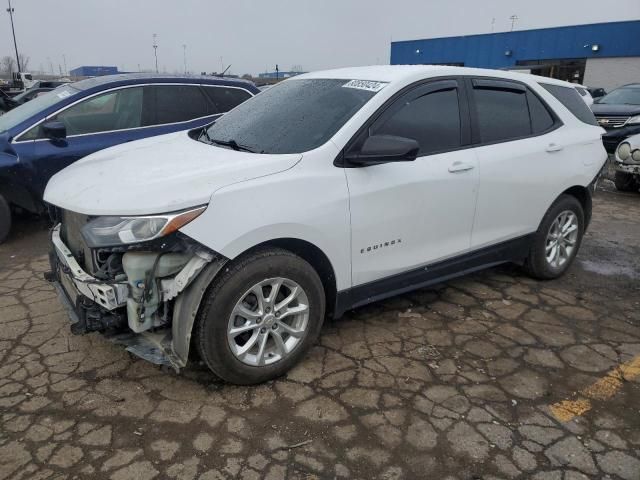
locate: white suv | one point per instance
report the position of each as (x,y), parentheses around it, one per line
(326,192)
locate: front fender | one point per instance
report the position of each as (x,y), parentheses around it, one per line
(185,311)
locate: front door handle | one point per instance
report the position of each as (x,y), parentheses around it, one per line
(554,147)
(460,167)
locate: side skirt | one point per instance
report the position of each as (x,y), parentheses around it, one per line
(505,252)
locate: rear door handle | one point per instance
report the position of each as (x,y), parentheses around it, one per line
(554,147)
(460,167)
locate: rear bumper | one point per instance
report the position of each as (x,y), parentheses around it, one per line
(614,136)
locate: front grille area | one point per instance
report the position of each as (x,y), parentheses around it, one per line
(72,223)
(610,121)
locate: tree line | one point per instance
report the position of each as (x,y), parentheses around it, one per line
(8,64)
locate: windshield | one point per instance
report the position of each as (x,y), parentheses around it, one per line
(292,117)
(622,96)
(27,110)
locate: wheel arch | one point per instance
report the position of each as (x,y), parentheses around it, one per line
(583,195)
(315,257)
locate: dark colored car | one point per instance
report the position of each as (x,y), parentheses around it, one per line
(618,113)
(9,103)
(48,133)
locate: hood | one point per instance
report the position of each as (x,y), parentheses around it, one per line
(156,175)
(614,109)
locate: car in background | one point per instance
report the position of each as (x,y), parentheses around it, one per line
(618,113)
(48,133)
(627,164)
(326,192)
(584,93)
(9,103)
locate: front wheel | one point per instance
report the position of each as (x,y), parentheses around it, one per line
(260,316)
(556,243)
(625,182)
(5,219)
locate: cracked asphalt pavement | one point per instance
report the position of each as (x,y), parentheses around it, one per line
(468,380)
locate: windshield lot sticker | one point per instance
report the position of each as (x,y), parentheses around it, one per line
(365,85)
(64,94)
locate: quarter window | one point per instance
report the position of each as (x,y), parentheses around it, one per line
(571,99)
(225,98)
(433,120)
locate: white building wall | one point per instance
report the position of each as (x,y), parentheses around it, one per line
(610,73)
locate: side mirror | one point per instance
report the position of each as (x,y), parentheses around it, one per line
(385,148)
(54,130)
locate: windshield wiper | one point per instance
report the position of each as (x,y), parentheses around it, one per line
(205,133)
(231,144)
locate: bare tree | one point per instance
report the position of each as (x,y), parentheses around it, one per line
(7,65)
(24,62)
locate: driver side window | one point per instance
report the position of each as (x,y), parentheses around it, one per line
(432,119)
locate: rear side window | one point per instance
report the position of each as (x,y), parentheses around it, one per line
(571,99)
(433,120)
(502,114)
(174,103)
(226,98)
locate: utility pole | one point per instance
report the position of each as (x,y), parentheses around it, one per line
(184,50)
(13,30)
(493,24)
(277,70)
(155,49)
(513,19)
(64,60)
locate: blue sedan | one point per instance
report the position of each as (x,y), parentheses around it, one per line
(43,136)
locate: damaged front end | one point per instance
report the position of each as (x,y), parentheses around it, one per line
(144,293)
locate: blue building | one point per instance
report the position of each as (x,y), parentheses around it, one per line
(599,55)
(279,74)
(93,71)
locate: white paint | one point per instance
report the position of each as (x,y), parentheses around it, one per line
(436,209)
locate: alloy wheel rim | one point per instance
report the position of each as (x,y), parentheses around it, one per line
(561,239)
(268,322)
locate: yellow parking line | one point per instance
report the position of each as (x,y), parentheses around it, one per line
(603,389)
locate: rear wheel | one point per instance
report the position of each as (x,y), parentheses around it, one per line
(5,219)
(556,243)
(260,317)
(625,182)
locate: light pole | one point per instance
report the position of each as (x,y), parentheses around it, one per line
(155,49)
(513,19)
(13,30)
(184,51)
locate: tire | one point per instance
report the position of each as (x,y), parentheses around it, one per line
(625,182)
(234,286)
(5,219)
(537,264)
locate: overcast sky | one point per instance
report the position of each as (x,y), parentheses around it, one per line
(254,35)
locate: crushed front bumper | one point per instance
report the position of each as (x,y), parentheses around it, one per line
(76,281)
(92,304)
(628,168)
(95,305)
